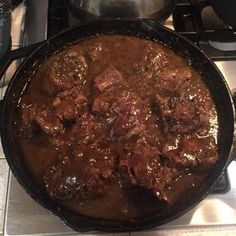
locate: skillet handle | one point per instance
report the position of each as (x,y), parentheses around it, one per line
(6,61)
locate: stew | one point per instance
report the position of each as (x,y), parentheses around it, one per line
(117,127)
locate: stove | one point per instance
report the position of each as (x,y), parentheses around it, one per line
(195,20)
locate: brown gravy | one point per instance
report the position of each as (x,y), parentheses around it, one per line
(159,86)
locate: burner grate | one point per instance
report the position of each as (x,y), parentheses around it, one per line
(197,21)
(57,17)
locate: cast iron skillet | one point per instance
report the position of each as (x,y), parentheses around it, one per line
(213,79)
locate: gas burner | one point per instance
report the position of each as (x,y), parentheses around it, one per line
(198,15)
(223,46)
(198,21)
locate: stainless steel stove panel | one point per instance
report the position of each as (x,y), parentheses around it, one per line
(228,69)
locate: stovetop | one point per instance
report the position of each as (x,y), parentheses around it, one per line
(216,213)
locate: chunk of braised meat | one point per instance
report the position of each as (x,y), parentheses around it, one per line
(75,66)
(123,110)
(68,105)
(108,79)
(49,122)
(183,110)
(86,130)
(66,71)
(102,106)
(153,134)
(142,167)
(131,115)
(94,51)
(170,80)
(85,176)
(46,119)
(191,151)
(154,60)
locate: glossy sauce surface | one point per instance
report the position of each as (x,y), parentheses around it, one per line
(118,127)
